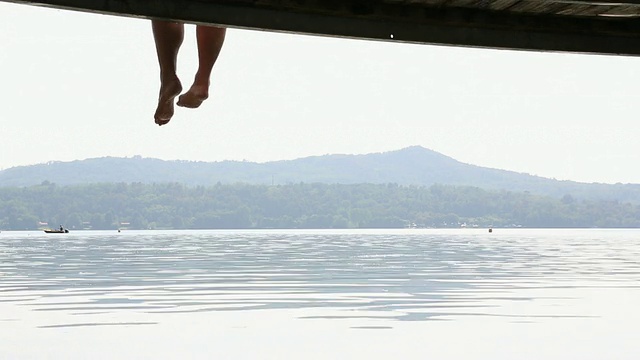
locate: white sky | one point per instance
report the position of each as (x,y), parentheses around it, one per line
(76,85)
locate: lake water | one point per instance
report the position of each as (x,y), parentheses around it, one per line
(353,294)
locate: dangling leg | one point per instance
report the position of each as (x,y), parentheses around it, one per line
(210,40)
(168,37)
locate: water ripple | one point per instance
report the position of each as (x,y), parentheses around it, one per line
(403,276)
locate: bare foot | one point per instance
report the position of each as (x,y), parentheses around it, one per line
(168,92)
(194,97)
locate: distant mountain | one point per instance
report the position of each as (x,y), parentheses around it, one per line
(410,166)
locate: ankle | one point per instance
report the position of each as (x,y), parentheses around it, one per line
(169,78)
(202,80)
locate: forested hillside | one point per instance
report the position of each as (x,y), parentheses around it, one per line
(243,206)
(411,166)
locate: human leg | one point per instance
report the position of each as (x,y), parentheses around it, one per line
(168,37)
(210,40)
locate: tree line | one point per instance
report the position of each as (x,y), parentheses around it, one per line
(302,205)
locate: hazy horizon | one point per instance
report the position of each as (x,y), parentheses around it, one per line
(269,161)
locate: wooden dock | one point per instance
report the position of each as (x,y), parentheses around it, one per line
(599,27)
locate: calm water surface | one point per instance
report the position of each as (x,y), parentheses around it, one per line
(371,285)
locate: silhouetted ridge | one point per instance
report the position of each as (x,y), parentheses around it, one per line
(414,165)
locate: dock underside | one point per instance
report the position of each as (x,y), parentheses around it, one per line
(598,27)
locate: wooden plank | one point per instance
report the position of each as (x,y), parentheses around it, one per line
(401,21)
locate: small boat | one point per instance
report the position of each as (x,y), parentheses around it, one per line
(56,231)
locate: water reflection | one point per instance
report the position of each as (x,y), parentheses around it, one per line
(403,276)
